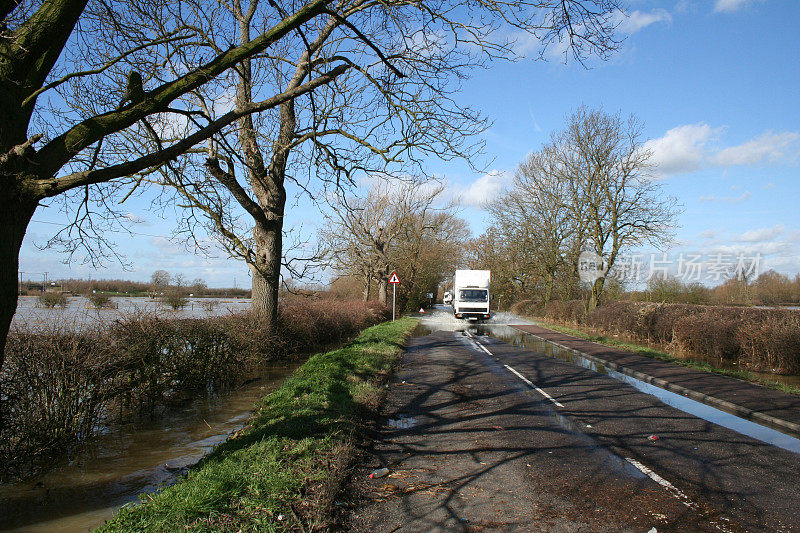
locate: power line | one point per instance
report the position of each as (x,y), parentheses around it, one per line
(109,230)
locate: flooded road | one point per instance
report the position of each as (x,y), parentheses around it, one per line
(500,329)
(469,447)
(113,469)
(586,435)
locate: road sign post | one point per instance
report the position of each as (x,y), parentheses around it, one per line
(395,281)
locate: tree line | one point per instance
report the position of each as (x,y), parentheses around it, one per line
(160,281)
(589,190)
(399,226)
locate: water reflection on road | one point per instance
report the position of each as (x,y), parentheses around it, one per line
(499,328)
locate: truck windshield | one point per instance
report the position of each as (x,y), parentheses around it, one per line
(474,295)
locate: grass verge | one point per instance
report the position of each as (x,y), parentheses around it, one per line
(280,473)
(648,351)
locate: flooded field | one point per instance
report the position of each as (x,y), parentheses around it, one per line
(115,468)
(80,313)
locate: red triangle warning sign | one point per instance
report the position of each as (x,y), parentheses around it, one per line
(393,278)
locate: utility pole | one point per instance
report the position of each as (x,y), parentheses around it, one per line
(20,281)
(44,283)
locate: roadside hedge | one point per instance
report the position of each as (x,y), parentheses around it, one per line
(59,385)
(764,339)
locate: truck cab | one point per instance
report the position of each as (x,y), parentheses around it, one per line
(471,296)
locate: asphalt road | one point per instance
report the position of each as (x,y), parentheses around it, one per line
(480,435)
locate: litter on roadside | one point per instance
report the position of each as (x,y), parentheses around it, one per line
(379,473)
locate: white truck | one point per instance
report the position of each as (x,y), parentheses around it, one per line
(471,294)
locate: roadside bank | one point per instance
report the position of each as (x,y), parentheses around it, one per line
(282,470)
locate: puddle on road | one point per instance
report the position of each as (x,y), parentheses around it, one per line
(775,437)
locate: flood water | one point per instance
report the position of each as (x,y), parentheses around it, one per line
(81,313)
(114,468)
(499,327)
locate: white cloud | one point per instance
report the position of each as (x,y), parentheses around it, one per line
(133,218)
(751,250)
(427,44)
(396,186)
(484,189)
(637,20)
(731,6)
(686,149)
(526,44)
(709,234)
(726,199)
(769,148)
(762,234)
(681,149)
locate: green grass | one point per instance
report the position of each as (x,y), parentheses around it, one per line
(275,474)
(648,351)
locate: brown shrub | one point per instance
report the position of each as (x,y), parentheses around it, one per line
(55,389)
(52,300)
(573,311)
(528,308)
(711,332)
(773,343)
(305,324)
(768,339)
(617,317)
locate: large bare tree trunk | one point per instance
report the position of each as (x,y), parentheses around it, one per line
(14,219)
(268,186)
(382,289)
(266,274)
(597,291)
(367,285)
(272,199)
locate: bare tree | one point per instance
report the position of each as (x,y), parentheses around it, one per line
(52,58)
(538,236)
(391,104)
(80,81)
(614,195)
(589,189)
(396,226)
(159,281)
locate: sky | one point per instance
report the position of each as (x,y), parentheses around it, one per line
(716,84)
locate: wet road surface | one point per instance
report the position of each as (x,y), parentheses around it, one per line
(481,435)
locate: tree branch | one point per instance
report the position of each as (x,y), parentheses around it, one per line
(53,186)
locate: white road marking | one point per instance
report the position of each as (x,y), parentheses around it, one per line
(675,491)
(520,376)
(672,489)
(540,391)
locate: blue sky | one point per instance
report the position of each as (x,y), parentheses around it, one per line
(716,84)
